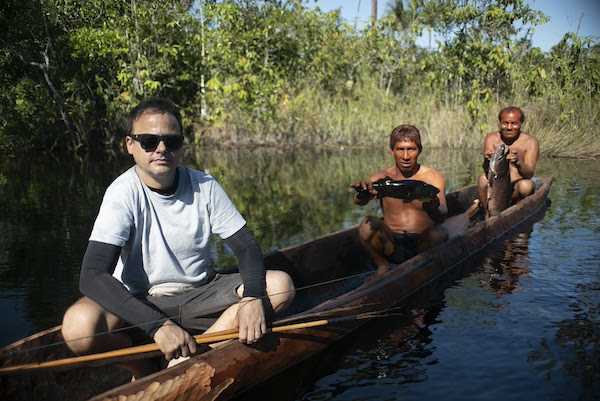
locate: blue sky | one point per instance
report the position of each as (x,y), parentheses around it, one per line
(564,16)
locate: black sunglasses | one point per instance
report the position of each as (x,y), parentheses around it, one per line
(150,142)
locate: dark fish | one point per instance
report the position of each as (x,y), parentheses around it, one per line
(499,190)
(407,190)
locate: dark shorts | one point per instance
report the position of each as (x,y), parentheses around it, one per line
(199,308)
(405,247)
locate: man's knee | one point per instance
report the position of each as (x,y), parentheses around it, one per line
(80,325)
(525,188)
(367,228)
(280,289)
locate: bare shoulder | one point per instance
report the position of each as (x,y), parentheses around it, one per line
(527,142)
(530,139)
(430,176)
(492,141)
(493,137)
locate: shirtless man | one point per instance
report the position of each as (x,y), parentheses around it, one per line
(407,228)
(524,152)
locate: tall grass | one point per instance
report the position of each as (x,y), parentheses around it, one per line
(365,115)
(566,132)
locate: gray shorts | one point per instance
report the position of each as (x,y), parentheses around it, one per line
(199,308)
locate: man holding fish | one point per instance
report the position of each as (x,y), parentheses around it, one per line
(412,211)
(522,153)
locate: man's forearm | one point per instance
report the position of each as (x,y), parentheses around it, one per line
(251,262)
(97,283)
(524,169)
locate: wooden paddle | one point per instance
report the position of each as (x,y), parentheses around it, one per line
(150,350)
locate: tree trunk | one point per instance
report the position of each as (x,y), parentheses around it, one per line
(203,112)
(61,105)
(45,68)
(373,12)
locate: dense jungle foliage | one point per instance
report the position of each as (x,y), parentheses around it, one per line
(277,72)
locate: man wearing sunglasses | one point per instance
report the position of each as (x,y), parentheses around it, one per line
(148,264)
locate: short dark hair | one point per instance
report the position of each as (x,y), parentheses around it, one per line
(512,109)
(154,105)
(405,133)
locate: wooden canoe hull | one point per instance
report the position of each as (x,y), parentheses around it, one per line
(232,368)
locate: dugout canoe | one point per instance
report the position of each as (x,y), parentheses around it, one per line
(232,368)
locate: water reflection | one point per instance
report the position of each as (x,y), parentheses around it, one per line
(574,353)
(48,205)
(571,351)
(504,265)
(373,363)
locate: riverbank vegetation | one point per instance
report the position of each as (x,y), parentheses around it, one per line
(276,72)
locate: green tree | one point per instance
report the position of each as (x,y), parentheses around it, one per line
(480,38)
(31,57)
(277,72)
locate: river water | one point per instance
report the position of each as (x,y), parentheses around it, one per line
(519,323)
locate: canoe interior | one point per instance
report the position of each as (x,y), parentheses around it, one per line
(235,367)
(77,384)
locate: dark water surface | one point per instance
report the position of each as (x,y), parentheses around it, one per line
(519,323)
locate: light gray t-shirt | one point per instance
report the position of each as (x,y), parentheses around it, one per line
(165,240)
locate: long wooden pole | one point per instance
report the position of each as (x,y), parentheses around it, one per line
(105,358)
